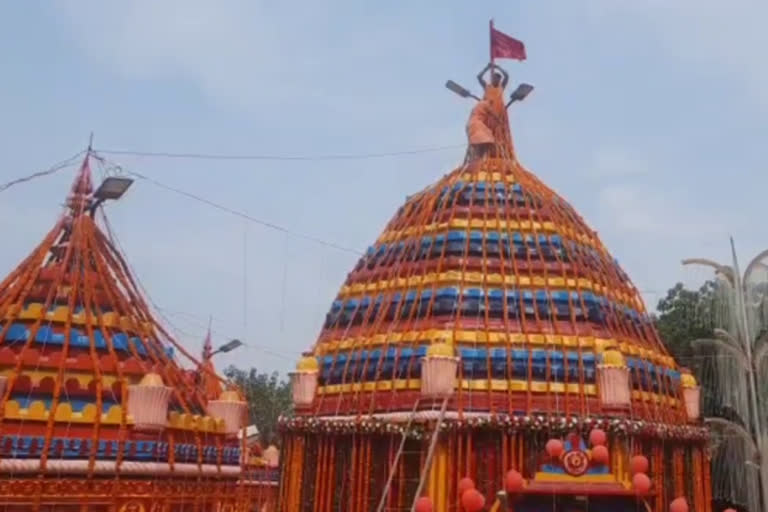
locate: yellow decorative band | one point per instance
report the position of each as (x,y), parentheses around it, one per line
(565,478)
(492,337)
(467,385)
(37,412)
(478,278)
(488,176)
(60,314)
(84,379)
(490,225)
(64,413)
(647,396)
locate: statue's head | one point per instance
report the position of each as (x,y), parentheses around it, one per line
(496,79)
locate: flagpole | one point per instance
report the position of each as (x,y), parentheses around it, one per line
(490,39)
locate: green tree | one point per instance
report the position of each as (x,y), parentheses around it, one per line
(268,398)
(685,315)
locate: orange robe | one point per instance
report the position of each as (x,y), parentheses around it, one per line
(495,95)
(485,116)
(479,129)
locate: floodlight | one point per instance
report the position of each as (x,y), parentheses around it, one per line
(229,346)
(112,188)
(521,92)
(464,93)
(454,87)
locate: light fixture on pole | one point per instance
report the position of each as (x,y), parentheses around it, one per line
(456,88)
(228,347)
(111,189)
(519,94)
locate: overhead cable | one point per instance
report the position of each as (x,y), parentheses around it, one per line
(221,156)
(57,167)
(238,213)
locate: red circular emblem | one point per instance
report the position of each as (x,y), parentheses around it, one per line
(575,462)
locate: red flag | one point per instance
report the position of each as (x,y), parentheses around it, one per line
(506,47)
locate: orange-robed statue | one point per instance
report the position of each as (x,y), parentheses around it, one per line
(489,112)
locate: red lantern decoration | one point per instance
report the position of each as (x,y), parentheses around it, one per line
(597,437)
(678,505)
(465,484)
(641,483)
(472,501)
(554,448)
(600,454)
(513,481)
(423,504)
(639,464)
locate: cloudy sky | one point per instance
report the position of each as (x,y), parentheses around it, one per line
(650,117)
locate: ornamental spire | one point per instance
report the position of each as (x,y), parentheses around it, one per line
(488,125)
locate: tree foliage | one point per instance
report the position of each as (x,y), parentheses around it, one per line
(685,315)
(268,396)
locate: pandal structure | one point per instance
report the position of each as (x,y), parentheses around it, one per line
(489,334)
(95,412)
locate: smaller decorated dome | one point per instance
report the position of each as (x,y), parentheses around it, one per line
(612,357)
(151,379)
(687,379)
(230,395)
(440,350)
(307,364)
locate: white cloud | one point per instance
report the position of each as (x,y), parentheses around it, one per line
(610,162)
(727,37)
(242,53)
(647,210)
(221,47)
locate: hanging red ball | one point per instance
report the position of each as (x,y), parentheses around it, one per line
(600,454)
(639,464)
(465,484)
(678,505)
(423,504)
(472,501)
(641,483)
(554,448)
(513,481)
(597,437)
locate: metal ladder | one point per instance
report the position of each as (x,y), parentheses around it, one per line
(427,461)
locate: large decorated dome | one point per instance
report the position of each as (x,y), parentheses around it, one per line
(497,268)
(488,340)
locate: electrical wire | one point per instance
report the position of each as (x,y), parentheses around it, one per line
(57,167)
(304,158)
(235,212)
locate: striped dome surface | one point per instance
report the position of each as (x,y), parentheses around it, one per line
(492,261)
(75,332)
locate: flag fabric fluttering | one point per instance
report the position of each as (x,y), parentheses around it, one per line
(506,47)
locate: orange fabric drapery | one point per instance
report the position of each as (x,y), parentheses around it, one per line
(486,116)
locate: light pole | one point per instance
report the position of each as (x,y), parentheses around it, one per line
(748,351)
(227,347)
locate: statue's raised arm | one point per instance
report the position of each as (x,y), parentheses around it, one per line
(505,75)
(480,75)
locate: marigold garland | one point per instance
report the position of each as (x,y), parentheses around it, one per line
(510,424)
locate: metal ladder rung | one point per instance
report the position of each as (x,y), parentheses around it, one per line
(396,461)
(430,453)
(401,451)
